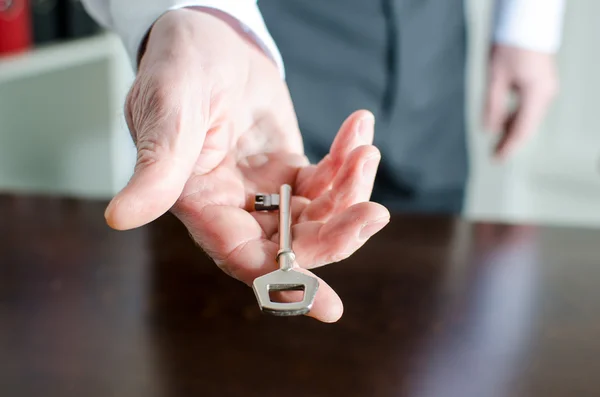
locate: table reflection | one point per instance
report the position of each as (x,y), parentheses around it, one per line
(488,330)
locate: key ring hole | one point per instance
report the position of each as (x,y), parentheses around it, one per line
(286,294)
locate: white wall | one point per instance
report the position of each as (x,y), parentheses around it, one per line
(555,178)
(62,129)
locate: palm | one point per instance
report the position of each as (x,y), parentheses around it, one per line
(216,204)
(234,235)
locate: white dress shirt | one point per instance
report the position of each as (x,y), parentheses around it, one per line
(529,24)
(532,24)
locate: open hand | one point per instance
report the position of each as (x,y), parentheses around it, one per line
(214,125)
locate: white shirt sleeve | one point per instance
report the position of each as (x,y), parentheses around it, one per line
(531,24)
(132,19)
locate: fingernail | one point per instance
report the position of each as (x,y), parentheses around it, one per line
(365,128)
(370,228)
(371,164)
(257,160)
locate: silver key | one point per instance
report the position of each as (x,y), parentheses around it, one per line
(286,278)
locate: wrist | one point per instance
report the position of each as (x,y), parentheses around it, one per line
(519,51)
(234,24)
(182,34)
(191,27)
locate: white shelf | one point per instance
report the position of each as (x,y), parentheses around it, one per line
(57,56)
(82,144)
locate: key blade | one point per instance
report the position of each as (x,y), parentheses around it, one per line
(285,280)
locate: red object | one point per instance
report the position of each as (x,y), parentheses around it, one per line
(15,26)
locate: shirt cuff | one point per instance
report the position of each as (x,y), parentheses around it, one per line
(530,24)
(133,23)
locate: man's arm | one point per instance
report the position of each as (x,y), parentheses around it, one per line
(526,35)
(133,19)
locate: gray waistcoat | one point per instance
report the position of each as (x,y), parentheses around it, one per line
(402,59)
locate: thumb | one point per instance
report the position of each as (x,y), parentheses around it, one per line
(169,135)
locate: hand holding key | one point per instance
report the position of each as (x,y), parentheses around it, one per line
(331,214)
(214,125)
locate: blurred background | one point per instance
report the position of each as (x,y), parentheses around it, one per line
(62,129)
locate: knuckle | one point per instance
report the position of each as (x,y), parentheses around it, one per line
(161,94)
(155,93)
(150,98)
(148,153)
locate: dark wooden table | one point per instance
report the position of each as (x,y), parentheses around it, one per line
(434,307)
